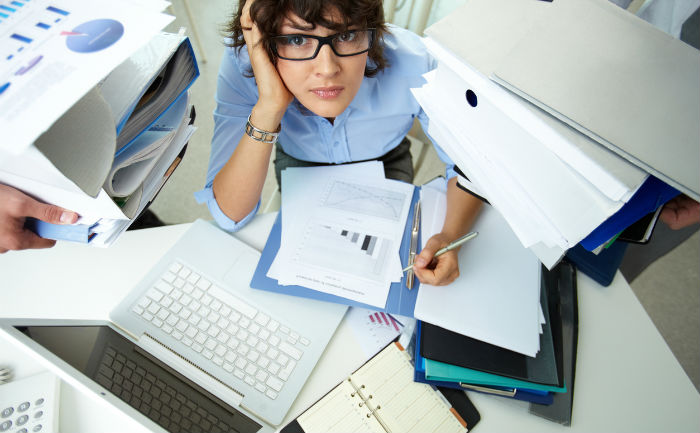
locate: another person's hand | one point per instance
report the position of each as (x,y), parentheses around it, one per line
(680,212)
(437,271)
(15,207)
(273,95)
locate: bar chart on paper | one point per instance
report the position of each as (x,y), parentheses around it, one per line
(343,250)
(373,329)
(381,319)
(26,25)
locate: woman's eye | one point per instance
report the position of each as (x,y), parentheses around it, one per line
(296,40)
(346,37)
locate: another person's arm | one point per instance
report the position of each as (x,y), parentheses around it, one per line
(462,210)
(15,207)
(680,212)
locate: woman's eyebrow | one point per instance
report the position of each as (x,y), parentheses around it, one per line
(296,25)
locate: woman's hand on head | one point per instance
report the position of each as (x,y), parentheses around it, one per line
(273,95)
(437,271)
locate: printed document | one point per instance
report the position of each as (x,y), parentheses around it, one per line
(341,231)
(54,52)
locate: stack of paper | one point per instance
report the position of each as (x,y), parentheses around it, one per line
(496,299)
(552,184)
(98,122)
(342,228)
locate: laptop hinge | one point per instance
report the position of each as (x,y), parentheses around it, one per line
(193,372)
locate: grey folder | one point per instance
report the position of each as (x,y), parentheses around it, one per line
(596,67)
(482,33)
(618,80)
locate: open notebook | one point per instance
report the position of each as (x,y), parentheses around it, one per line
(381,396)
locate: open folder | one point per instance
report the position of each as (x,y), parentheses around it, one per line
(87,164)
(478,292)
(400,300)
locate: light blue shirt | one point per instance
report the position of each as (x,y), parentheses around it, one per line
(375,122)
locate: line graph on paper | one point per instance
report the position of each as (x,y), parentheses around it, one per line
(343,250)
(363,199)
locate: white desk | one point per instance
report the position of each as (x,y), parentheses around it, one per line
(627,379)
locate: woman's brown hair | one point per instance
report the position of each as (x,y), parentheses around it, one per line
(270,14)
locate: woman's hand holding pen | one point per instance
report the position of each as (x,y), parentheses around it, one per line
(437,271)
(462,209)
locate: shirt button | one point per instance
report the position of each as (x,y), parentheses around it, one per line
(336,144)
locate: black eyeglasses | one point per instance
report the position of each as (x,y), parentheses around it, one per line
(306,47)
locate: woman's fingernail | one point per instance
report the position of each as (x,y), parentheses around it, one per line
(420,261)
(66,217)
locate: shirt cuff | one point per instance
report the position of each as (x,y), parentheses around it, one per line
(450,171)
(207,196)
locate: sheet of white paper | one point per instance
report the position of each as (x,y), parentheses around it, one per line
(345,233)
(496,298)
(568,200)
(370,169)
(480,169)
(55,51)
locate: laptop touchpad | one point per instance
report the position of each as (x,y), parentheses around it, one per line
(241,271)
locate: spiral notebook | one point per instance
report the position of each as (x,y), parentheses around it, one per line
(381,396)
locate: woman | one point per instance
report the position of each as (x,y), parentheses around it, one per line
(332,81)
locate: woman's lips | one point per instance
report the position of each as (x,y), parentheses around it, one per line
(327,92)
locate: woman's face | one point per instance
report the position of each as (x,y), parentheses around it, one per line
(327,83)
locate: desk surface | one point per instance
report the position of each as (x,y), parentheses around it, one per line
(627,379)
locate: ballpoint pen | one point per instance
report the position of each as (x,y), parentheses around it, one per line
(414,244)
(451,246)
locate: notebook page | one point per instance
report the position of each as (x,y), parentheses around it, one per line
(340,411)
(400,403)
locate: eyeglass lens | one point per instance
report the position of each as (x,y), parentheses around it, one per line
(304,46)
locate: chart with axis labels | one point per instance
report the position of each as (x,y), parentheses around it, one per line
(363,199)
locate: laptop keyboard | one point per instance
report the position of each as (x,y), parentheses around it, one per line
(172,409)
(222,328)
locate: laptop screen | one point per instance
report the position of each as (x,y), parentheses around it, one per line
(133,375)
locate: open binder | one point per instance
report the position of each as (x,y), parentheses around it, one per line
(75,164)
(381,396)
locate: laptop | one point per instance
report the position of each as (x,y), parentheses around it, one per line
(192,346)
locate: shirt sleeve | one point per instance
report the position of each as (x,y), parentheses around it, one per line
(235,96)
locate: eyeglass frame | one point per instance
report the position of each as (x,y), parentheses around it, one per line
(323,40)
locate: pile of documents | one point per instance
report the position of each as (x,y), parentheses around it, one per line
(543,112)
(504,325)
(497,295)
(342,228)
(101,119)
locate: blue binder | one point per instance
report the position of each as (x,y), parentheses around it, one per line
(652,194)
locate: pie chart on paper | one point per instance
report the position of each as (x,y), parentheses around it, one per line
(94,35)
